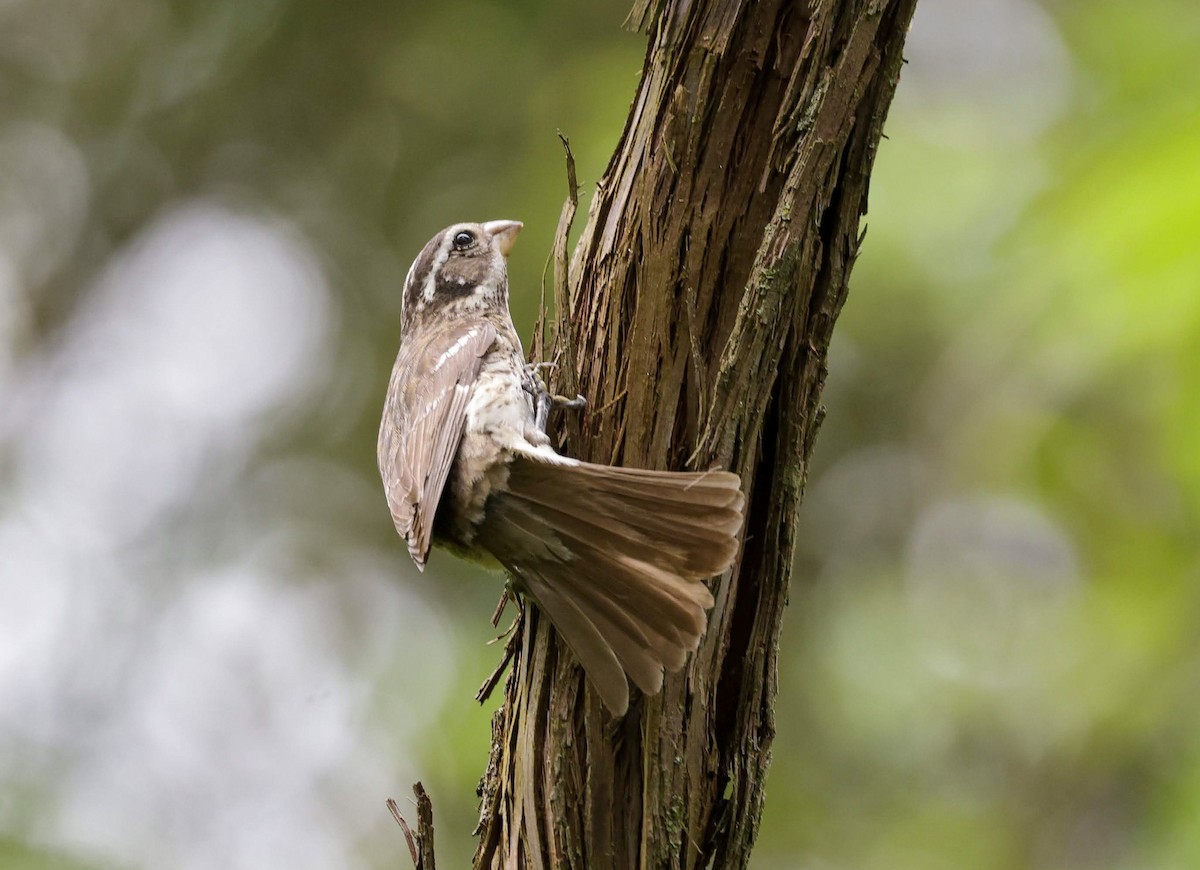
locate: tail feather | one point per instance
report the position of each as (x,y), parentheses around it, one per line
(676,605)
(616,558)
(589,645)
(670,610)
(619,635)
(684,522)
(672,606)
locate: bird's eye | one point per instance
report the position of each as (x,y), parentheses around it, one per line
(463,240)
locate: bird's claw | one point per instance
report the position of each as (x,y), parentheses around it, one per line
(565,404)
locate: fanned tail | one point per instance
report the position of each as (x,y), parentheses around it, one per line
(616,557)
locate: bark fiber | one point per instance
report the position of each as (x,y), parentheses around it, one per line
(699,306)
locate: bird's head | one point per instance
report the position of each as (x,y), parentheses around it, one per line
(463,269)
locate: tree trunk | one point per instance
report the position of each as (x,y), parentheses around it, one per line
(701,299)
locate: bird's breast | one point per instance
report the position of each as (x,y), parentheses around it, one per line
(499,415)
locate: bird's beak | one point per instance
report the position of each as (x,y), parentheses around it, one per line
(503,233)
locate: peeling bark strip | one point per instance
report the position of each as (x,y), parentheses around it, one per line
(702,297)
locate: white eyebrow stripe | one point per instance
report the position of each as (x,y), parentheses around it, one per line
(440,260)
(453,349)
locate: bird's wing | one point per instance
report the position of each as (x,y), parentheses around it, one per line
(423,421)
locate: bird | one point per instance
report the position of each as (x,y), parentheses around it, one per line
(617,558)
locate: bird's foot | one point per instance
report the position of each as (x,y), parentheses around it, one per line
(543,400)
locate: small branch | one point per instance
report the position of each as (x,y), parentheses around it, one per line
(420,845)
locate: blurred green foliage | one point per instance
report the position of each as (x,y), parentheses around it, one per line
(999,668)
(992,654)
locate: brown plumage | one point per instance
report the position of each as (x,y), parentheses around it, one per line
(616,557)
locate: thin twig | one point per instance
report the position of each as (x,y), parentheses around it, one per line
(420,845)
(537,347)
(512,626)
(489,685)
(513,633)
(500,605)
(618,441)
(562,303)
(607,405)
(394,809)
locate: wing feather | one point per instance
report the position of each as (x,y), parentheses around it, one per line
(423,420)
